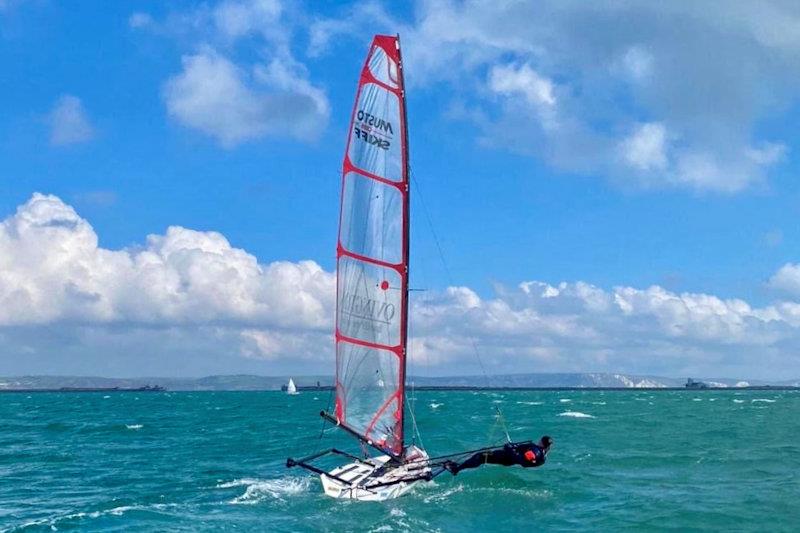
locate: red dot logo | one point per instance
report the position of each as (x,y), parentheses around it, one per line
(384,285)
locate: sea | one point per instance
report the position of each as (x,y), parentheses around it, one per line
(215,461)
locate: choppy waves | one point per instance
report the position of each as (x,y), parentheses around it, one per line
(575,414)
(258,490)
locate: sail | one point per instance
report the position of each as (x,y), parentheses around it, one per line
(291,388)
(372,256)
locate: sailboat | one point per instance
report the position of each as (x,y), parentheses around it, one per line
(371,324)
(291,388)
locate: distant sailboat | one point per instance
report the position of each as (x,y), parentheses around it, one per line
(371,326)
(291,388)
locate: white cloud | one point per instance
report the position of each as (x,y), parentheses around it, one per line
(52,270)
(613,68)
(140,20)
(235,19)
(638,63)
(223,92)
(787,278)
(186,294)
(218,98)
(645,149)
(69,123)
(508,80)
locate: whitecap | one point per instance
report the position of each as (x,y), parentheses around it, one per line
(575,414)
(738,401)
(697,399)
(531,403)
(765,400)
(442,496)
(106,397)
(53,521)
(258,490)
(435,405)
(598,403)
(134,426)
(564,400)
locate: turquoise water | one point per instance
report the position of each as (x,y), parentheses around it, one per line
(634,460)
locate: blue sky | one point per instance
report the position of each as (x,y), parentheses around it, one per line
(617,146)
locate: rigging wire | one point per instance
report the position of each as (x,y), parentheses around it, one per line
(416,435)
(324,421)
(418,193)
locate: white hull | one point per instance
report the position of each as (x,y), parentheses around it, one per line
(360,476)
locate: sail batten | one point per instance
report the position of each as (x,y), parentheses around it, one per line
(372,256)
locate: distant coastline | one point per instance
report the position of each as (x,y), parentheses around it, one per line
(506,382)
(433,388)
(146,388)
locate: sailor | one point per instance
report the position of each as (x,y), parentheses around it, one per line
(525,454)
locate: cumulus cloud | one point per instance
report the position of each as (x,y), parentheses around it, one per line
(787,279)
(645,148)
(52,270)
(69,123)
(218,98)
(222,92)
(627,79)
(188,292)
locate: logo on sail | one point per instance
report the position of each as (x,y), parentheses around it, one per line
(373,130)
(358,306)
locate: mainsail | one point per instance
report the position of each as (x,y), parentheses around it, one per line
(372,256)
(372,304)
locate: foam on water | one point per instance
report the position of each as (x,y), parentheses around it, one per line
(575,414)
(737,401)
(54,521)
(258,490)
(134,427)
(443,495)
(564,400)
(435,405)
(765,400)
(531,403)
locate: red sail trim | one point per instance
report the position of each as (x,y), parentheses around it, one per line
(350,167)
(393,398)
(399,267)
(397,350)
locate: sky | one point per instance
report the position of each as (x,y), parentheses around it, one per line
(613,185)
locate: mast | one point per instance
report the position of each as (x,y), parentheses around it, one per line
(406,240)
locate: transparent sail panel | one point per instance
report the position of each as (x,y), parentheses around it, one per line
(375,141)
(382,67)
(369,299)
(372,219)
(369,397)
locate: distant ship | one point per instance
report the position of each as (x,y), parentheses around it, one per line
(692,384)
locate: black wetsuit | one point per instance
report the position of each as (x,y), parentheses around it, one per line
(525,454)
